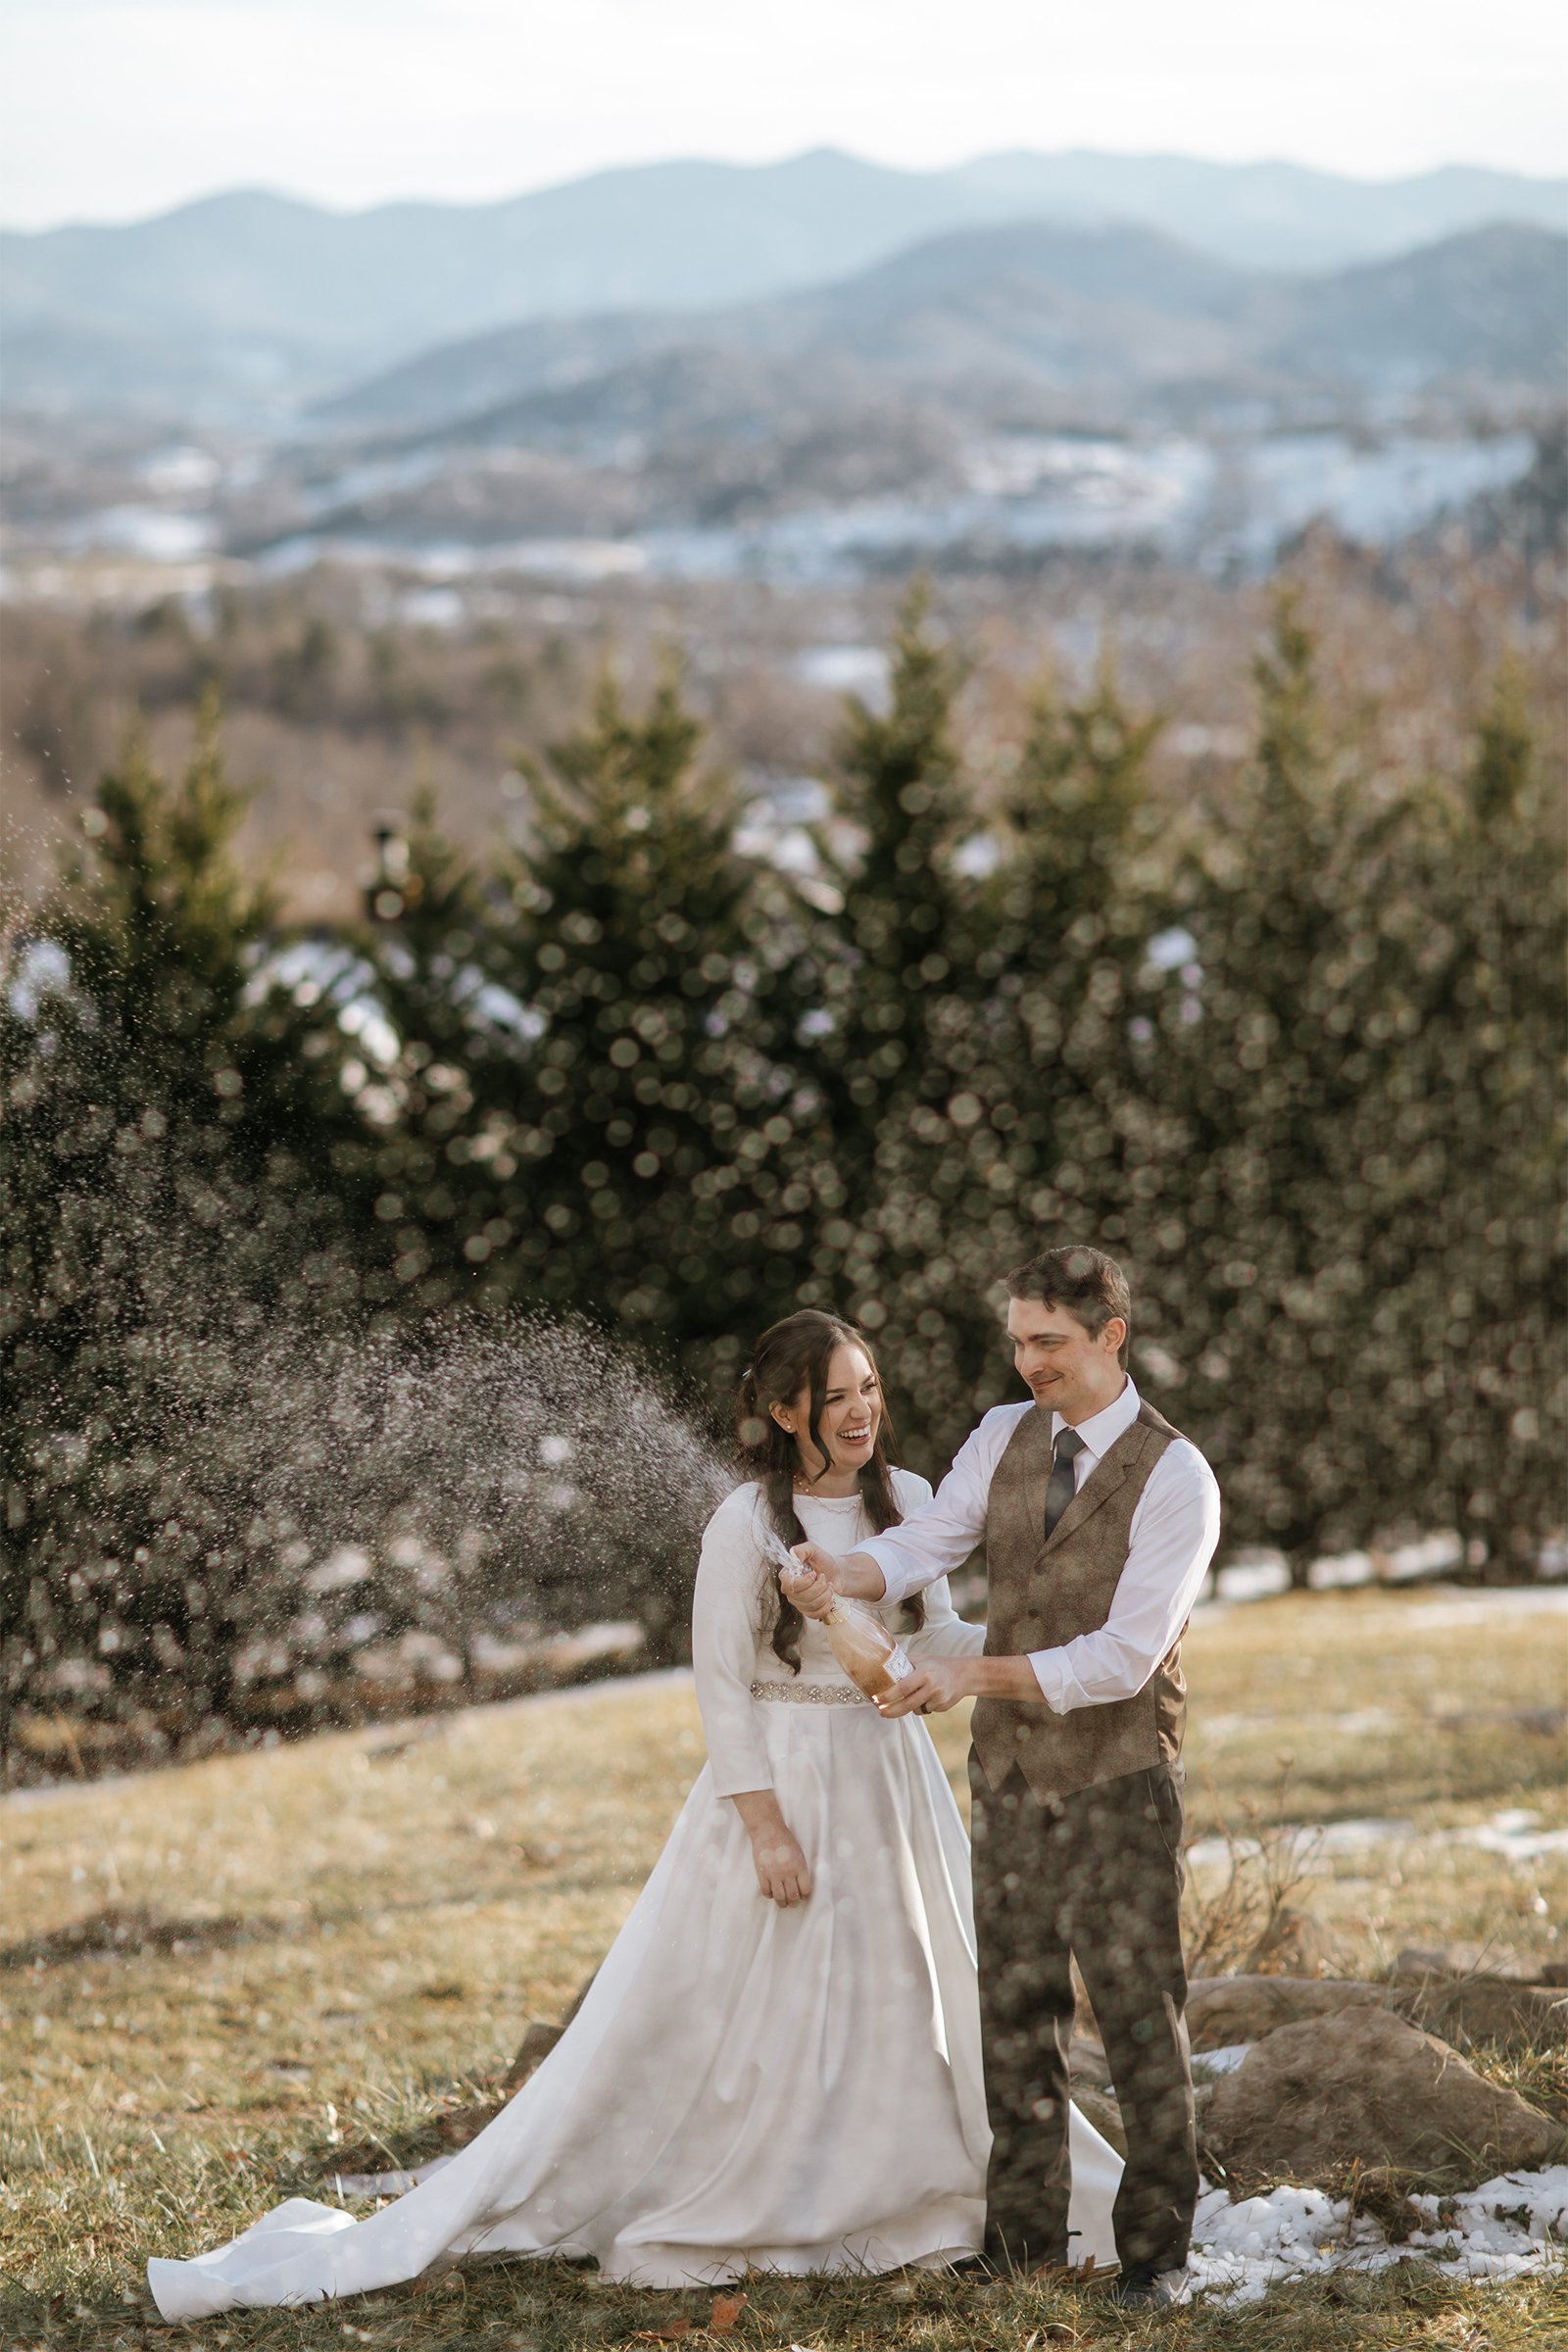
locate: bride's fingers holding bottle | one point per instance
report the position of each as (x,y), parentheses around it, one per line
(811,1587)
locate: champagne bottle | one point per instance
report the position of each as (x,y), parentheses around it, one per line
(868,1653)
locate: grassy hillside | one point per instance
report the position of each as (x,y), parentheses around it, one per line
(219,1981)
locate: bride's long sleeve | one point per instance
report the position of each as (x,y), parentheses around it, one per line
(726,1615)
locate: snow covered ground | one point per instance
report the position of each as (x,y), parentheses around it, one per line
(1515,2223)
(1507,2226)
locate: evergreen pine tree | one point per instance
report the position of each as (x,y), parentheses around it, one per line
(1285,1058)
(454,1048)
(1479,1316)
(1074,906)
(645,1166)
(890,989)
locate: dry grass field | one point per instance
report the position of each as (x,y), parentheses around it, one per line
(220,1979)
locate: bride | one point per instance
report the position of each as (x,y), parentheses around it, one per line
(777,2065)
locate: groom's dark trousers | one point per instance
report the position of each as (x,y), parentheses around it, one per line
(1097,1876)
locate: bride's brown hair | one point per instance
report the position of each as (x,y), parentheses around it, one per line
(789,1357)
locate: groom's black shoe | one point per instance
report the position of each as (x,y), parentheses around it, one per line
(1138,2287)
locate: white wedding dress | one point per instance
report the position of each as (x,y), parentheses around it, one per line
(790,2090)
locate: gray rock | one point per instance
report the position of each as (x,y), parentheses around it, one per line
(540,2039)
(1361,2084)
(1106,2115)
(1464,2010)
(1221,2010)
(1478,2009)
(536,2045)
(1087,2064)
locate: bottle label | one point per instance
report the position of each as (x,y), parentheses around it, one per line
(900,1664)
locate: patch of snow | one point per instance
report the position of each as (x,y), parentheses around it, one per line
(1461,1608)
(1223,2060)
(182,472)
(147,531)
(1509,2226)
(860,669)
(432,607)
(1513,1833)
(1321,1843)
(791,800)
(1358,1723)
(1247,1580)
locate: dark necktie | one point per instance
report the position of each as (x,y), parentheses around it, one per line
(1063,1483)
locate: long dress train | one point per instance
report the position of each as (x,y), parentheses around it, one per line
(744,2086)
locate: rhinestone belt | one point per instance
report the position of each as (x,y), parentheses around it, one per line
(813,1694)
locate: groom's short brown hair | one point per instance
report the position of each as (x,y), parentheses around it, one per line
(1086,1282)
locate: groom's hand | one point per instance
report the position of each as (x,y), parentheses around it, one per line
(815,1589)
(933,1688)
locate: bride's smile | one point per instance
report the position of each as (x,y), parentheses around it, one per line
(835,1448)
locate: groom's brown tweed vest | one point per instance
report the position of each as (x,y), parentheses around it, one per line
(1047,1591)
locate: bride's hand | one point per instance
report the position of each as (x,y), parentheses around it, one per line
(781,1869)
(814,1590)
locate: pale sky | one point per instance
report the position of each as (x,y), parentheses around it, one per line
(113,109)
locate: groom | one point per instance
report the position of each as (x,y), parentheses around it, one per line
(1099,1523)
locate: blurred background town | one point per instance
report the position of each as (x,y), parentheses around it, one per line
(397,480)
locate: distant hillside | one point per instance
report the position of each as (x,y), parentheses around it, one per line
(248,301)
(1020,302)
(981,318)
(1267,215)
(1024,304)
(482,372)
(1491,304)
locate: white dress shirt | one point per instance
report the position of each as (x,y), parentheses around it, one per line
(1175,1528)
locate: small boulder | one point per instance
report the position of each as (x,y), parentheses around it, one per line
(1088,2075)
(1104,2113)
(1472,2009)
(536,2046)
(1221,2010)
(540,2039)
(1087,2064)
(1364,2085)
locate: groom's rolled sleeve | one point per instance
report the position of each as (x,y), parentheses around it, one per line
(1171,1541)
